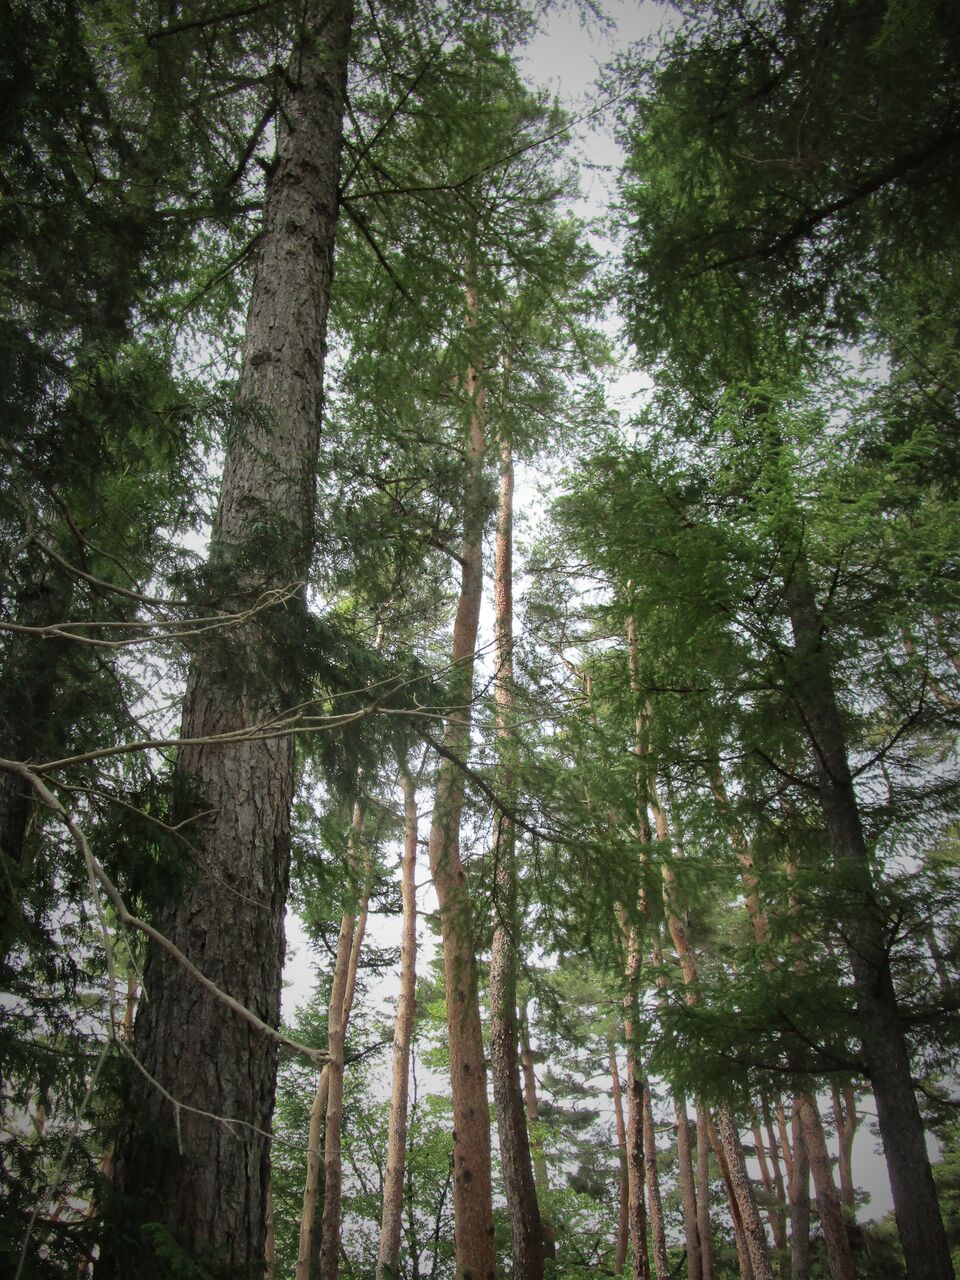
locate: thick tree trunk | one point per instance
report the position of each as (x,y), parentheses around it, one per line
(472,1178)
(916,1208)
(799,1205)
(703,1194)
(658,1233)
(623,1219)
(521,1192)
(839,1257)
(205,1179)
(688,1189)
(391,1223)
(532,1108)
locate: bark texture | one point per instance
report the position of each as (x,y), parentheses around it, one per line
(658,1234)
(472,1179)
(203,1179)
(391,1223)
(521,1193)
(688,1189)
(623,1219)
(916,1207)
(839,1256)
(799,1205)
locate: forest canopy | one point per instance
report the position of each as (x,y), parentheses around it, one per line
(601,750)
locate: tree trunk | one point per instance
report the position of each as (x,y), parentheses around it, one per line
(311,1186)
(636,1159)
(916,1208)
(532,1108)
(521,1192)
(739,1235)
(661,1264)
(845,1117)
(839,1257)
(472,1179)
(703,1194)
(775,1205)
(391,1223)
(623,1219)
(688,1189)
(749,1215)
(203,1179)
(341,1004)
(799,1205)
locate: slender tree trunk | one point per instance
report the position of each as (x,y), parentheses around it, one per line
(775,1204)
(532,1108)
(636,1157)
(774,1155)
(202,1179)
(623,1219)
(341,1005)
(703,1194)
(785,1143)
(688,1189)
(311,1187)
(845,1118)
(661,1264)
(799,1205)
(472,1178)
(839,1257)
(270,1245)
(391,1223)
(916,1207)
(521,1192)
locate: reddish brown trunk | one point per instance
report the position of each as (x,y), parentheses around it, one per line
(200,1179)
(472,1179)
(703,1194)
(739,1235)
(636,1162)
(391,1222)
(839,1257)
(623,1220)
(658,1235)
(688,1190)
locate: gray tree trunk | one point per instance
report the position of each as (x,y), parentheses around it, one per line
(201,1171)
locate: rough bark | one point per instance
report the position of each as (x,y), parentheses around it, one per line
(799,1205)
(839,1257)
(688,1189)
(532,1108)
(703,1194)
(202,1179)
(472,1179)
(521,1193)
(391,1223)
(916,1207)
(749,1214)
(658,1234)
(739,1235)
(623,1219)
(636,1164)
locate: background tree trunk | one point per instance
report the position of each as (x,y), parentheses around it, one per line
(688,1190)
(661,1264)
(623,1219)
(519,1186)
(391,1222)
